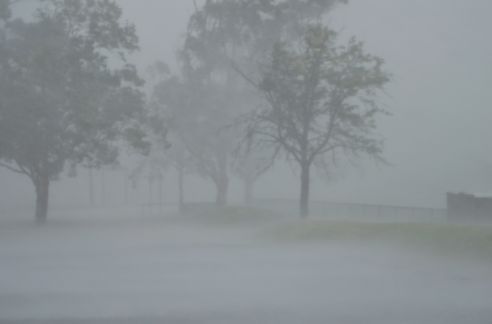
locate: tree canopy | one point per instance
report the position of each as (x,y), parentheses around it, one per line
(322,101)
(225,41)
(67,91)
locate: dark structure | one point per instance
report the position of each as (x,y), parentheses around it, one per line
(467,207)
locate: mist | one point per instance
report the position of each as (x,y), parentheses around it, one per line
(236,162)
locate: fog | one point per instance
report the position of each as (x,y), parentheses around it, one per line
(146,270)
(438,56)
(166,229)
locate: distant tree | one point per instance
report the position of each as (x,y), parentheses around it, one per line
(321,102)
(213,92)
(197,123)
(252,159)
(169,113)
(225,43)
(178,157)
(67,91)
(151,167)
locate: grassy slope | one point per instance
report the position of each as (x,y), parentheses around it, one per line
(206,214)
(437,238)
(444,239)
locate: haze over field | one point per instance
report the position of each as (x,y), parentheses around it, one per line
(172,270)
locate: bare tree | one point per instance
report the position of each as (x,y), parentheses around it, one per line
(321,102)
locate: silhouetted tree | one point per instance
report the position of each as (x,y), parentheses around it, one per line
(322,102)
(226,43)
(67,91)
(252,159)
(194,116)
(171,116)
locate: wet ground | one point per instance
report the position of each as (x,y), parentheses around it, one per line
(166,270)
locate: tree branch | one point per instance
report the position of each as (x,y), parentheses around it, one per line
(14,169)
(244,75)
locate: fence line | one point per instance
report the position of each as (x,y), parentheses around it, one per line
(329,209)
(357,210)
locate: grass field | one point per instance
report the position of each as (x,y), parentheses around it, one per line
(240,265)
(440,238)
(444,239)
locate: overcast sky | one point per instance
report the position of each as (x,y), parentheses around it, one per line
(440,96)
(440,57)
(439,53)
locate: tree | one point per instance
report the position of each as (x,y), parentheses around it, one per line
(196,119)
(67,91)
(169,111)
(252,159)
(179,158)
(238,34)
(321,102)
(225,42)
(212,105)
(167,108)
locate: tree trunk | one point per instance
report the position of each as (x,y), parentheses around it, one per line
(160,194)
(304,199)
(42,185)
(103,187)
(222,180)
(125,184)
(248,192)
(181,189)
(222,185)
(91,186)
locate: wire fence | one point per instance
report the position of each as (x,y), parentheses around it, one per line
(337,210)
(328,210)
